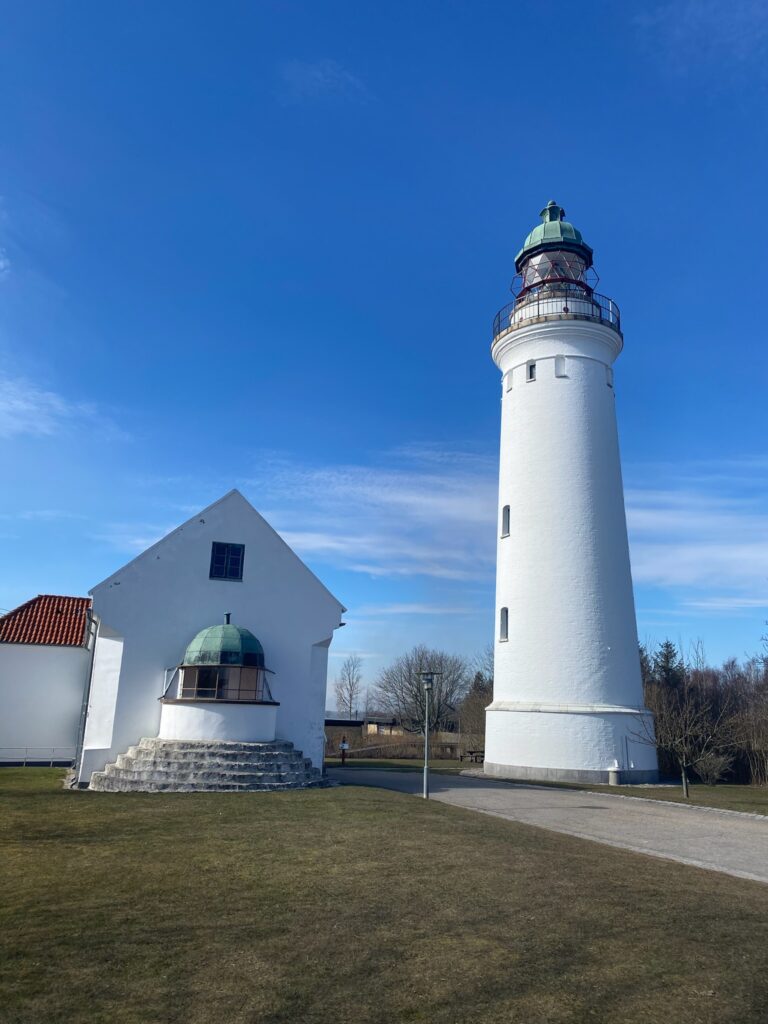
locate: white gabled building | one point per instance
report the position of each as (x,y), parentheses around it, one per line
(46,646)
(261,623)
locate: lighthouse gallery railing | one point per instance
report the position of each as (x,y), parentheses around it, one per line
(555,304)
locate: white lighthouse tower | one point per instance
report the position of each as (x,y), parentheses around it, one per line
(567,692)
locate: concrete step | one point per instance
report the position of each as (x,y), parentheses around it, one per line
(223,752)
(223,746)
(139,763)
(222,755)
(185,766)
(171,774)
(102,783)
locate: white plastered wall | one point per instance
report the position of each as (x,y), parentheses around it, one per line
(102,701)
(41,694)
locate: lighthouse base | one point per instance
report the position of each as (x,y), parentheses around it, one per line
(569,743)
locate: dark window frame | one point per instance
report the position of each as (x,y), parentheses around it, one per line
(227,561)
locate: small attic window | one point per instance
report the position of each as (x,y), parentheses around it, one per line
(227,561)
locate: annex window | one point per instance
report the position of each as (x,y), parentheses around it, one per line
(531,374)
(227,561)
(224,682)
(505,521)
(504,624)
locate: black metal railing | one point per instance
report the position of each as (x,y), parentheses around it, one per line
(555,303)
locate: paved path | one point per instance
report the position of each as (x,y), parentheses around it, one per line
(734,844)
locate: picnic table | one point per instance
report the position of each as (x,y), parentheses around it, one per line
(475,756)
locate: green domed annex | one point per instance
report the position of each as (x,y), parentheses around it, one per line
(224,644)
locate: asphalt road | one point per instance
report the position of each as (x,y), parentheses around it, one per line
(724,841)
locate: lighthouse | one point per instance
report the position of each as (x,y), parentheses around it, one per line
(567,693)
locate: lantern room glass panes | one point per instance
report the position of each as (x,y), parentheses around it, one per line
(227,561)
(557,265)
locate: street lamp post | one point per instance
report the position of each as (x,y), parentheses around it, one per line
(428,678)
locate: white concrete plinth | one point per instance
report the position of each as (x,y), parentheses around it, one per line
(579,743)
(233,721)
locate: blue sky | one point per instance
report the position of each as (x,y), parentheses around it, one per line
(261,245)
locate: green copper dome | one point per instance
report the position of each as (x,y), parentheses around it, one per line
(554,233)
(224,645)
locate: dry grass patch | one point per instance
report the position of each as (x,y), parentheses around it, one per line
(352,905)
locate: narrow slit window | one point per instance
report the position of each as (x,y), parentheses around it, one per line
(504,624)
(508,380)
(531,371)
(560,366)
(609,376)
(505,521)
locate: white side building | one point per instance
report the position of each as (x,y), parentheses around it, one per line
(224,561)
(567,690)
(46,646)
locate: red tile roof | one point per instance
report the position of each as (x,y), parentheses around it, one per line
(47,619)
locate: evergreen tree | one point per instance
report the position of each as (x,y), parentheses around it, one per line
(668,669)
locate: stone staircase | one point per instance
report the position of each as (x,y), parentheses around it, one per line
(190,766)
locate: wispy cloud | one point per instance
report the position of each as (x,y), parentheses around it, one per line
(133,538)
(414,608)
(691,35)
(696,531)
(728,604)
(700,532)
(334,653)
(45,515)
(27,409)
(307,81)
(427,518)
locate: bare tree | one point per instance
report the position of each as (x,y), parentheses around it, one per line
(399,690)
(751,719)
(692,717)
(348,685)
(478,697)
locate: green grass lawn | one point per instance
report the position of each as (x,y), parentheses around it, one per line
(753,799)
(352,906)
